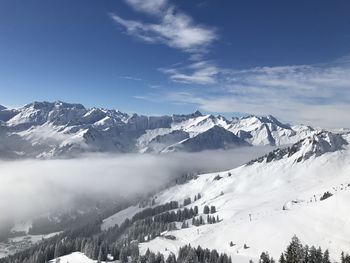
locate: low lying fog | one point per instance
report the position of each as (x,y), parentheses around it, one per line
(32,187)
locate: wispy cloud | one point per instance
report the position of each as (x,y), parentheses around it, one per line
(312,94)
(131,78)
(154,7)
(202,72)
(173,27)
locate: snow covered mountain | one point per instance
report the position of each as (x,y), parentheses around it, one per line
(58,129)
(262,204)
(6,114)
(214,138)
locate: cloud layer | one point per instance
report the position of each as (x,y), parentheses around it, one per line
(31,188)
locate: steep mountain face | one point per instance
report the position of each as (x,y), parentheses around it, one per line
(261,205)
(59,129)
(267,131)
(214,138)
(6,114)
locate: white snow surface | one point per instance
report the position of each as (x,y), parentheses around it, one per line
(262,190)
(119,217)
(76,257)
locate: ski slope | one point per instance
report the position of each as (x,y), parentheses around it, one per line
(260,191)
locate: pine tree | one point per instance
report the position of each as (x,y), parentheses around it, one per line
(282,259)
(191,257)
(295,252)
(265,258)
(325,258)
(195,210)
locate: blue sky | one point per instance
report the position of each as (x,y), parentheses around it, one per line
(286,58)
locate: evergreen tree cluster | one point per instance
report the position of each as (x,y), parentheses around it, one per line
(298,253)
(198,221)
(197,197)
(187,254)
(152,211)
(178,216)
(207,210)
(325,196)
(345,258)
(187,201)
(96,244)
(212,219)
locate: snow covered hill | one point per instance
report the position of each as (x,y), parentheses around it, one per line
(45,130)
(76,257)
(262,204)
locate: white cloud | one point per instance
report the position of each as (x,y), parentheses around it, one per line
(153,7)
(197,73)
(130,78)
(318,95)
(30,188)
(173,27)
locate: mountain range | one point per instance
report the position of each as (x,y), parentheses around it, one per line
(300,188)
(59,129)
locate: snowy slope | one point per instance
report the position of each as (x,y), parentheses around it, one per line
(119,217)
(52,129)
(76,257)
(261,190)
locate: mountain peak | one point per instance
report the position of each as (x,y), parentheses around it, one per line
(267,119)
(2,107)
(197,113)
(40,105)
(181,117)
(314,145)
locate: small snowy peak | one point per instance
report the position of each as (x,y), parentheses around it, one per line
(272,119)
(322,143)
(267,131)
(315,145)
(212,139)
(199,124)
(161,142)
(184,117)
